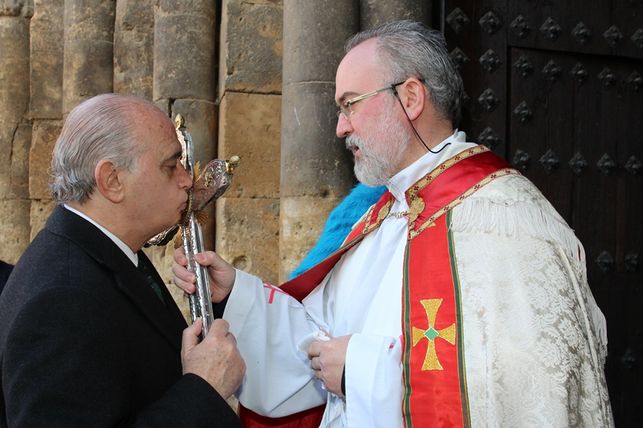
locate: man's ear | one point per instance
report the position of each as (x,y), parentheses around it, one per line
(109,181)
(414,97)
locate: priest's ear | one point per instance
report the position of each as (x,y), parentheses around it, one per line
(413,96)
(109,181)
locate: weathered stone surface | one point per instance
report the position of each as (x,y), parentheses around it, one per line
(40,210)
(16,8)
(313,160)
(89,43)
(46,57)
(302,220)
(250,129)
(201,122)
(187,7)
(14,98)
(314,36)
(134,47)
(165,105)
(247,235)
(252,46)
(14,228)
(18,186)
(376,12)
(43,140)
(184,49)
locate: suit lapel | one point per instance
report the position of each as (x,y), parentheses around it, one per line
(167,319)
(128,279)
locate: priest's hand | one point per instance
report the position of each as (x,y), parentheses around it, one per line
(221,274)
(327,359)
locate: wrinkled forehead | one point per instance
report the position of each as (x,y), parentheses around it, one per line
(360,71)
(156,131)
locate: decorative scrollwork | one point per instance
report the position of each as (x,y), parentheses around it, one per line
(552,71)
(605,262)
(631,262)
(637,38)
(520,27)
(613,35)
(577,163)
(581,33)
(635,81)
(549,161)
(629,360)
(523,112)
(523,66)
(521,160)
(488,100)
(633,165)
(551,29)
(489,138)
(607,77)
(490,22)
(490,61)
(457,20)
(458,57)
(579,73)
(606,164)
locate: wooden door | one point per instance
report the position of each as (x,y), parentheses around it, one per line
(556,87)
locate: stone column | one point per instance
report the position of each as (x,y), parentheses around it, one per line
(134,47)
(88,57)
(15,129)
(316,169)
(184,78)
(46,78)
(376,12)
(184,82)
(247,224)
(46,82)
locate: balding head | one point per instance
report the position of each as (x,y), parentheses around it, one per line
(102,127)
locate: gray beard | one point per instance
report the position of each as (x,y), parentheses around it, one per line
(370,169)
(377,166)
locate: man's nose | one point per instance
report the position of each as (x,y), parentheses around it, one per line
(185,180)
(344,127)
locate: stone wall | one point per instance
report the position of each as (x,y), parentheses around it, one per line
(249,126)
(219,64)
(15,128)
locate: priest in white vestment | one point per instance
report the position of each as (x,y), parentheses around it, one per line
(509,333)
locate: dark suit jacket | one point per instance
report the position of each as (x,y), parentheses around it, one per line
(5,271)
(85,342)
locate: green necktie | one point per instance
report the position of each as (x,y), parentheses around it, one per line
(150,279)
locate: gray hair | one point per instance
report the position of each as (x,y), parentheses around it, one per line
(102,127)
(409,49)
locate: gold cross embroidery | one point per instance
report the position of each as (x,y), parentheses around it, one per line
(431,361)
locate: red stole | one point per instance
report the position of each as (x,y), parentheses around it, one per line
(433,358)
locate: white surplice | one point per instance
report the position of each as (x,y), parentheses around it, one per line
(534,339)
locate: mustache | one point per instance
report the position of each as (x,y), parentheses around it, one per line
(352,142)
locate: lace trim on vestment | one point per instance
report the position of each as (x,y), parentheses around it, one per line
(528,213)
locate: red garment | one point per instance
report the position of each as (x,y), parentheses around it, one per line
(429,199)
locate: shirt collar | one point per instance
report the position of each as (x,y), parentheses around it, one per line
(127,250)
(403,180)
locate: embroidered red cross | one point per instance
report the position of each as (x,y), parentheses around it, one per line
(273,290)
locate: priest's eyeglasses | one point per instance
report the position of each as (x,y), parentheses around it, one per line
(346,107)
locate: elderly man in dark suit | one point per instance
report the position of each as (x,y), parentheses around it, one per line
(89,335)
